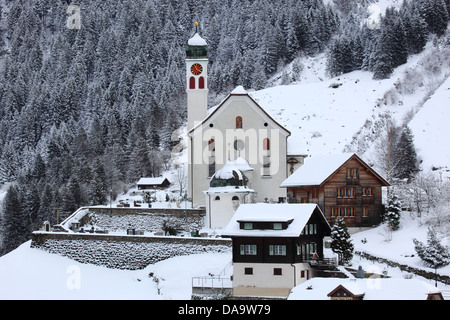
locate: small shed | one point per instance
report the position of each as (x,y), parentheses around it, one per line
(153,183)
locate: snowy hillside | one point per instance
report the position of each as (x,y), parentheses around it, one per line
(327,116)
(431,129)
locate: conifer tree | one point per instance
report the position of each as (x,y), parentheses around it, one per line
(433,253)
(341,242)
(393,212)
(14,222)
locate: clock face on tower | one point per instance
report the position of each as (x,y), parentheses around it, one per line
(196,69)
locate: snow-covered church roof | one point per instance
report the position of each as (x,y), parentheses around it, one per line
(197,41)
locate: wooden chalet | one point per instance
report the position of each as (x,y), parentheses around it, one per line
(342,185)
(153,183)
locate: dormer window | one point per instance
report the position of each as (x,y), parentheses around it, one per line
(277,226)
(264,225)
(248,226)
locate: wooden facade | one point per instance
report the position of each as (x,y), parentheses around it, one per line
(353,191)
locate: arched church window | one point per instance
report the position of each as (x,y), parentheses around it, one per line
(192,83)
(211,145)
(266,144)
(235,198)
(239,122)
(201,83)
(217,198)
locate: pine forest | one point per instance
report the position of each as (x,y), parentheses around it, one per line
(87,110)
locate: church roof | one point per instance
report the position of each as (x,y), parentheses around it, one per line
(197,41)
(242,164)
(238,91)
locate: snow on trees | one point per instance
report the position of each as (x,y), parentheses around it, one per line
(341,242)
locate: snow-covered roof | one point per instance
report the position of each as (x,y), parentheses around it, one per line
(228,171)
(268,212)
(197,41)
(373,289)
(242,164)
(151,181)
(229,189)
(239,90)
(316,170)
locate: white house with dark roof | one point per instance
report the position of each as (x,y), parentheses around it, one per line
(274,247)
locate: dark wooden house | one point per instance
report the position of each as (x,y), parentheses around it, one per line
(342,185)
(275,247)
(153,183)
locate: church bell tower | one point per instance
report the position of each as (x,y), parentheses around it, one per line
(196,79)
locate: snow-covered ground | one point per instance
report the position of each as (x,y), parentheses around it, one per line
(27,273)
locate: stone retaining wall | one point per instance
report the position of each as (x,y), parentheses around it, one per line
(122,251)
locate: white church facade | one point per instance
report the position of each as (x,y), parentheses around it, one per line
(237,134)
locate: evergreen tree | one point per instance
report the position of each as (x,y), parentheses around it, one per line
(15,231)
(341,242)
(434,254)
(393,212)
(98,188)
(408,163)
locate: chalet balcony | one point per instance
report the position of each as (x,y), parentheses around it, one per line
(324,264)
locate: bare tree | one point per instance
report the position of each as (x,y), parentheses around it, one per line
(181,179)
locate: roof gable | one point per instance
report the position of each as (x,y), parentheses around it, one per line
(296,216)
(239,92)
(319,169)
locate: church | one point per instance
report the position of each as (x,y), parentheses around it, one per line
(237,153)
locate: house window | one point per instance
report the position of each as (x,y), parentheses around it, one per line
(266,144)
(239,122)
(277,250)
(310,228)
(248,249)
(277,271)
(201,83)
(352,173)
(277,226)
(211,166)
(248,271)
(365,212)
(211,145)
(346,192)
(192,83)
(266,166)
(367,192)
(248,226)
